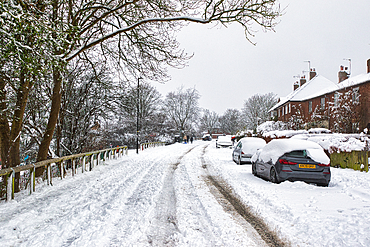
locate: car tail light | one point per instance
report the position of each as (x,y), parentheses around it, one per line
(324,164)
(242,152)
(285,162)
(326,172)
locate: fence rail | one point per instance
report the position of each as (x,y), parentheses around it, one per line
(96,157)
(146,145)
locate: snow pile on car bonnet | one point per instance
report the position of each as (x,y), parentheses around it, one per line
(276,148)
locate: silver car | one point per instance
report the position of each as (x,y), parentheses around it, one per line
(245,149)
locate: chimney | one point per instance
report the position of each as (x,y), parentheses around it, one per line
(342,74)
(368,66)
(302,80)
(295,85)
(312,73)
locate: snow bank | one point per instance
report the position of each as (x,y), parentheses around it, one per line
(337,142)
(283,133)
(304,214)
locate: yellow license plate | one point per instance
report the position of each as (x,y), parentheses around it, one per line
(307,166)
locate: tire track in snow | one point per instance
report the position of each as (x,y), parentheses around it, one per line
(164,229)
(233,205)
(130,221)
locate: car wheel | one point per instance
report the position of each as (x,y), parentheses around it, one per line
(273,177)
(254,170)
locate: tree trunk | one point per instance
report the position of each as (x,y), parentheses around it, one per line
(10,138)
(4,125)
(22,97)
(53,119)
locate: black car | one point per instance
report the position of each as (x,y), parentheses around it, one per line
(207,138)
(292,160)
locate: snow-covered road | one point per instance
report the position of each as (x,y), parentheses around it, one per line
(165,197)
(156,198)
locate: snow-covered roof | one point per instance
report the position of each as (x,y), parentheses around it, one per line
(315,87)
(353,81)
(318,86)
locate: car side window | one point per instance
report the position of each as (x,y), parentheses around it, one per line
(240,145)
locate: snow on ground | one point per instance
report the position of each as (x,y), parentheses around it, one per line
(305,214)
(159,198)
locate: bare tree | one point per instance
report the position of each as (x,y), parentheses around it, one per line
(142,103)
(182,108)
(209,121)
(256,109)
(136,36)
(231,121)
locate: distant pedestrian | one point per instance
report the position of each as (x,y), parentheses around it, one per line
(185,139)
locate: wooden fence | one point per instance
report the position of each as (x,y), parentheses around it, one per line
(89,160)
(95,158)
(146,145)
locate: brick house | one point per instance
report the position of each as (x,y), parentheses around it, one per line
(309,102)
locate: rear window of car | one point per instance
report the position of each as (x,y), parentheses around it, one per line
(297,154)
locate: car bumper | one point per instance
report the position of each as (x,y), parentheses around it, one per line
(309,177)
(223,145)
(246,159)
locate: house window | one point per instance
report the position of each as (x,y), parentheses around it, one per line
(323,103)
(356,95)
(310,106)
(336,98)
(286,109)
(278,112)
(289,108)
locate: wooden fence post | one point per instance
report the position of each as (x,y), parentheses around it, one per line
(73,166)
(10,187)
(48,173)
(32,179)
(83,164)
(62,169)
(92,162)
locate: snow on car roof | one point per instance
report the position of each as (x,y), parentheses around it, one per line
(276,148)
(252,139)
(251,144)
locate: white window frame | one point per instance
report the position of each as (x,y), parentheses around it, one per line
(322,103)
(356,95)
(336,98)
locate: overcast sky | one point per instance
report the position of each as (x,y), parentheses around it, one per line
(226,69)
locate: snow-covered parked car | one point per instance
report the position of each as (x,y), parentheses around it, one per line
(207,137)
(224,141)
(293,160)
(245,149)
(319,131)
